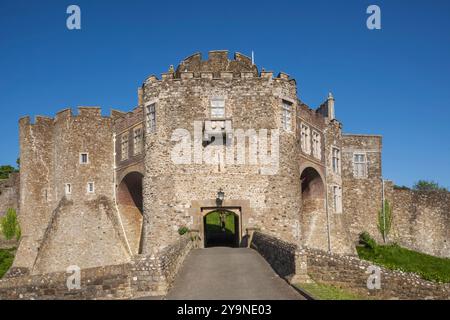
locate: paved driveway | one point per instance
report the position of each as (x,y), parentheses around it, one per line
(227,274)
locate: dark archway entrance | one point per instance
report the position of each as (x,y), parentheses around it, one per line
(130,203)
(221,229)
(313,213)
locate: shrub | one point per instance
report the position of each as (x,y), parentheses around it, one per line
(366,240)
(183,230)
(10,225)
(426,185)
(385,220)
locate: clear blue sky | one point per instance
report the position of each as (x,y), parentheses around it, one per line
(394,82)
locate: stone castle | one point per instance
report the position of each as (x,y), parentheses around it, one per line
(99,191)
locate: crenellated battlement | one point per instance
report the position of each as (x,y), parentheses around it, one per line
(217,67)
(67,114)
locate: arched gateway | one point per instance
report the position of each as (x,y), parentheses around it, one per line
(313,211)
(130,203)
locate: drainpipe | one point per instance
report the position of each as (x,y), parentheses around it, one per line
(326,197)
(115,198)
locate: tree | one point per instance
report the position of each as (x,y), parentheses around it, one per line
(428,185)
(5,171)
(385,220)
(10,225)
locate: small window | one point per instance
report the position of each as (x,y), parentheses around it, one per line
(317,146)
(84,158)
(305,139)
(286,118)
(68,188)
(360,165)
(336,160)
(90,187)
(218,108)
(151,117)
(137,141)
(337,199)
(124,146)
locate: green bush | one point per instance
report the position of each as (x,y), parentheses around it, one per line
(6,260)
(428,185)
(183,230)
(6,170)
(10,225)
(385,218)
(367,241)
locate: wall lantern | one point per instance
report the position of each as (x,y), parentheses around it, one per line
(220,197)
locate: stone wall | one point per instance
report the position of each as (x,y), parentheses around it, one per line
(421,220)
(343,271)
(59,228)
(143,276)
(362,196)
(154,274)
(9,193)
(9,198)
(251,102)
(352,273)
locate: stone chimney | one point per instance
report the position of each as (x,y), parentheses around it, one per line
(330,103)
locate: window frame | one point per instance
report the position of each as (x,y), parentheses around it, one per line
(136,142)
(363,164)
(337,199)
(305,138)
(67,189)
(88,191)
(124,141)
(150,117)
(213,107)
(81,158)
(286,115)
(336,168)
(316,148)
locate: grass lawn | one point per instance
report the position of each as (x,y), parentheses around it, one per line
(6,260)
(397,258)
(213,222)
(328,292)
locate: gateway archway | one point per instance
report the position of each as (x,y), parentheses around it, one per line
(221,229)
(130,203)
(313,212)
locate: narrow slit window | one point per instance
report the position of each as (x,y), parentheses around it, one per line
(68,188)
(84,158)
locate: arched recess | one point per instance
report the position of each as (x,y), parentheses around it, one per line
(130,203)
(221,229)
(313,210)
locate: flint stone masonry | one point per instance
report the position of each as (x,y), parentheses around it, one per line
(141,199)
(343,271)
(421,220)
(143,276)
(351,272)
(9,193)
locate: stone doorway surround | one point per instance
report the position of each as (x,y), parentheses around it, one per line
(200,208)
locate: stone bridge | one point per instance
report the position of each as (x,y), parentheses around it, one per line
(222,273)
